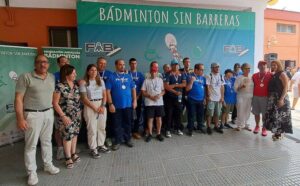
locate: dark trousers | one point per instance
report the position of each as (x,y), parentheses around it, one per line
(122,119)
(136,121)
(174,111)
(234,113)
(195,108)
(109,125)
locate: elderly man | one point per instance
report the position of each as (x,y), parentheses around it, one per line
(33,102)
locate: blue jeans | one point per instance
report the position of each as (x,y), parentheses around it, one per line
(122,119)
(195,108)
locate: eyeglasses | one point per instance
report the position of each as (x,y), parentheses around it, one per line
(201,69)
(216,67)
(42,62)
(247,68)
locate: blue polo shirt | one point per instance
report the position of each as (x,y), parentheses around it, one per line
(172,79)
(105,75)
(57,77)
(197,92)
(229,93)
(120,86)
(138,79)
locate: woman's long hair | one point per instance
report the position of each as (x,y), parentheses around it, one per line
(87,78)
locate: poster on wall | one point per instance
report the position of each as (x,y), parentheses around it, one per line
(161,33)
(14,61)
(73,54)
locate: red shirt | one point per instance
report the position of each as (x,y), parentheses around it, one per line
(261,82)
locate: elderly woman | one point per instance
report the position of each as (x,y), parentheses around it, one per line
(244,88)
(278,116)
(93,95)
(66,102)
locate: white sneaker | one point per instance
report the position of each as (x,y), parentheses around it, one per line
(51,169)
(32,179)
(179,132)
(60,153)
(168,134)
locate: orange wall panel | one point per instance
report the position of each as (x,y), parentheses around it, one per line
(31,25)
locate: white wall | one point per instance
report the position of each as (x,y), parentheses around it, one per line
(256,6)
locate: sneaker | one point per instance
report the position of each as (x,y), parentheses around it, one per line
(256,130)
(179,132)
(95,154)
(221,126)
(60,153)
(159,137)
(148,138)
(136,135)
(190,133)
(168,134)
(32,178)
(208,130)
(201,130)
(108,142)
(103,149)
(129,144)
(247,128)
(228,126)
(51,169)
(115,147)
(264,132)
(218,129)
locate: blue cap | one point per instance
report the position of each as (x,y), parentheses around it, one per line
(174,62)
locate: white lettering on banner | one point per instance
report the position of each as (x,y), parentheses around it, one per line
(114,14)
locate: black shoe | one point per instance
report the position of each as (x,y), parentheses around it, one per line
(159,137)
(208,130)
(129,144)
(218,129)
(190,133)
(228,126)
(115,147)
(201,130)
(148,138)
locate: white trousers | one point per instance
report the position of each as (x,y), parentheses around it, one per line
(95,126)
(40,126)
(243,108)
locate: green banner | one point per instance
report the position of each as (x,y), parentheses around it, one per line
(14,61)
(160,16)
(73,54)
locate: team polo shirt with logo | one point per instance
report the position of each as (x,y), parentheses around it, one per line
(172,80)
(120,86)
(104,75)
(229,92)
(138,79)
(197,92)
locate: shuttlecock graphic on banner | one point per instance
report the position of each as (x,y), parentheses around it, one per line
(171,43)
(13,75)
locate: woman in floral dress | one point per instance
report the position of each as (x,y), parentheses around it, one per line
(66,102)
(278,116)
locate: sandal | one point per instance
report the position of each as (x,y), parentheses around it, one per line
(69,163)
(75,158)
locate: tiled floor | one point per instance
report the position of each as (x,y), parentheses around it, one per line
(234,158)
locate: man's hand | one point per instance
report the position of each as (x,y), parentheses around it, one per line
(101,109)
(112,108)
(22,125)
(178,93)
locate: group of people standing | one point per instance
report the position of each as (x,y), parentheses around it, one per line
(117,106)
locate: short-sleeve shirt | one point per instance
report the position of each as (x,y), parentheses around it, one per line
(120,86)
(172,79)
(229,92)
(296,78)
(216,81)
(104,75)
(138,79)
(197,92)
(93,90)
(261,83)
(153,87)
(37,92)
